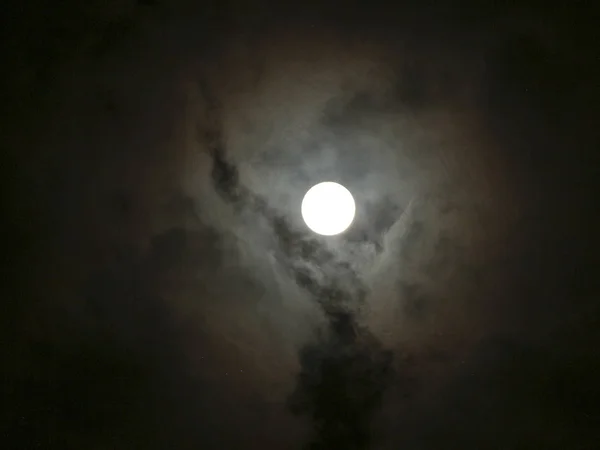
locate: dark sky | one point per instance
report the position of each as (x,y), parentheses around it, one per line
(162,292)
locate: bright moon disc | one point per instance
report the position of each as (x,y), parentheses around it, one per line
(328,208)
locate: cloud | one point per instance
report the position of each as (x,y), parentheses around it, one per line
(168,231)
(344,373)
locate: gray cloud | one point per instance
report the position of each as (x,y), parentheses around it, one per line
(164,186)
(344,373)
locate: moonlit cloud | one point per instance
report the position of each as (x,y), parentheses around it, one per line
(169,292)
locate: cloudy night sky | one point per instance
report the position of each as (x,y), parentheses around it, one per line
(161,290)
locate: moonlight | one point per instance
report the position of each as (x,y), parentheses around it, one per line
(328,208)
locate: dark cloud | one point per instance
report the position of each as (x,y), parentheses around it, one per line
(341,383)
(415,302)
(344,373)
(163,292)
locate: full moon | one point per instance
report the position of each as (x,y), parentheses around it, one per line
(328,208)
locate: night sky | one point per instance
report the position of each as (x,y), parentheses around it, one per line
(161,291)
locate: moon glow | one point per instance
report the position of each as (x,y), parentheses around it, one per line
(328,208)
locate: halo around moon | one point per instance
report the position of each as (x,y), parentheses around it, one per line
(328,208)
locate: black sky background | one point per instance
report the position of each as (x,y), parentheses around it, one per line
(161,291)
